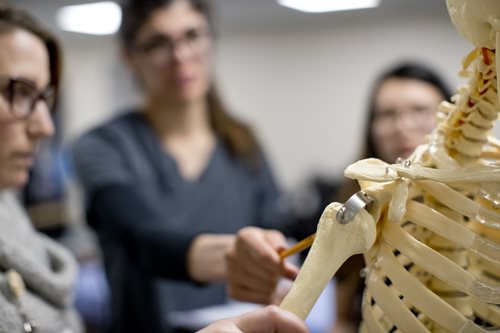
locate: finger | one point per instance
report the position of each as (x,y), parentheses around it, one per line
(286,321)
(276,240)
(257,270)
(252,282)
(289,271)
(259,247)
(248,279)
(243,267)
(246,295)
(271,319)
(222,326)
(252,245)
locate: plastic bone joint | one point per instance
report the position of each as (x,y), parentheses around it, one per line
(431,236)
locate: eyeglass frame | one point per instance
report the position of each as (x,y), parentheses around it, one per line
(390,118)
(47,95)
(171,44)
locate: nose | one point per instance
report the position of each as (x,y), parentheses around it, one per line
(181,51)
(40,124)
(404,122)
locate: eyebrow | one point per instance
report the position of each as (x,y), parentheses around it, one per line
(156,33)
(25,80)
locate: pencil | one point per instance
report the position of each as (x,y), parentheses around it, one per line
(299,246)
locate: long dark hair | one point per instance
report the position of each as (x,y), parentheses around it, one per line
(12,18)
(237,135)
(406,70)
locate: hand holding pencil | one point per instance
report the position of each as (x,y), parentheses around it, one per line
(254,265)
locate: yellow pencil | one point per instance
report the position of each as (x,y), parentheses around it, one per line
(302,245)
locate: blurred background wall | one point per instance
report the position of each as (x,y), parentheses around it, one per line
(301,79)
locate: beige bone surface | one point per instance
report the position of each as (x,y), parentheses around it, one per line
(334,243)
(431,238)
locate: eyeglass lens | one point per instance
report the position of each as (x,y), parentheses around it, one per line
(23,97)
(160,48)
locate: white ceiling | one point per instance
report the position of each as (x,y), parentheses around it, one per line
(249,14)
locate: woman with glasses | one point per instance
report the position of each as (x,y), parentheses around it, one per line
(180,162)
(402,111)
(36,274)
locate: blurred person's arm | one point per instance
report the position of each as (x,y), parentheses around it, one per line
(150,243)
(348,296)
(271,319)
(157,248)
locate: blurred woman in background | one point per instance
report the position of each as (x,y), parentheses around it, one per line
(169,183)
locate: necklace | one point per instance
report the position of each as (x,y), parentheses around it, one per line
(17,289)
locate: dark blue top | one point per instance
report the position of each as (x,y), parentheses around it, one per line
(146,214)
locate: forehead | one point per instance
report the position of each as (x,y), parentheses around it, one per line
(23,54)
(402,90)
(173,19)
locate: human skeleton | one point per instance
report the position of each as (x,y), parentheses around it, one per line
(428,226)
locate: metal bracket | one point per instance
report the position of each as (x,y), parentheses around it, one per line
(353,205)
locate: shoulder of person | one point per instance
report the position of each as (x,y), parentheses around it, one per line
(119,122)
(118,127)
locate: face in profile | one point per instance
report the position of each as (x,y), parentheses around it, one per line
(171,56)
(24,113)
(405,111)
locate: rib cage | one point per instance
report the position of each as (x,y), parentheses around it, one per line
(404,291)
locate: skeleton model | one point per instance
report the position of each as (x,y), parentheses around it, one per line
(429,226)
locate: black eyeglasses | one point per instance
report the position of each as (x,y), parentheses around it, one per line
(160,48)
(23,95)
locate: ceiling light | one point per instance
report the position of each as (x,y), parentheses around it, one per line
(99,18)
(319,6)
